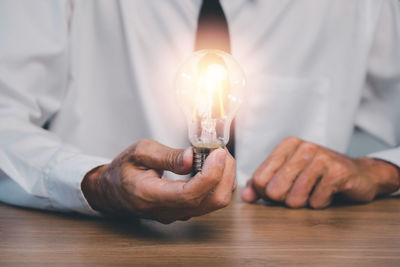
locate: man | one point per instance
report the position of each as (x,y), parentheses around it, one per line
(101,74)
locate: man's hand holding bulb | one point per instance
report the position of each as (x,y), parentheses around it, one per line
(133,185)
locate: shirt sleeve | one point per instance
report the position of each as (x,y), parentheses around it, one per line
(380,106)
(37,169)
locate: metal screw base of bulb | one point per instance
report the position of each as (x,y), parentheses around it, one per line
(199,156)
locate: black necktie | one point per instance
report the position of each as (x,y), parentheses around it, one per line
(213,33)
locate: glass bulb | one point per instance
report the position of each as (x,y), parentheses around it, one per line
(210,87)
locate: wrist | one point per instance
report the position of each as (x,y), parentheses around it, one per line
(386,176)
(91,187)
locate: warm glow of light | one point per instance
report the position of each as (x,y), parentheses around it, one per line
(210,85)
(215,74)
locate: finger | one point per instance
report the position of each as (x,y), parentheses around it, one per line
(323,193)
(281,182)
(155,192)
(221,196)
(304,184)
(197,188)
(153,155)
(272,164)
(249,194)
(230,168)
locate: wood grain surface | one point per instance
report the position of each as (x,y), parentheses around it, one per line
(260,234)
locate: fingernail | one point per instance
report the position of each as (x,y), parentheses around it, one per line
(187,152)
(220,155)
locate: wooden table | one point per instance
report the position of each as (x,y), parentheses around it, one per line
(239,235)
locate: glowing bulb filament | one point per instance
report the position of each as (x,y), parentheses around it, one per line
(209,100)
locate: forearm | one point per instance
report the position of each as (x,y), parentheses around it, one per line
(40,171)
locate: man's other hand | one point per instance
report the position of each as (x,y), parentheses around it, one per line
(133,185)
(300,173)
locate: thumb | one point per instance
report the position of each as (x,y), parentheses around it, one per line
(211,174)
(153,155)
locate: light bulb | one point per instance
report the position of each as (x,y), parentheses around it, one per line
(210,88)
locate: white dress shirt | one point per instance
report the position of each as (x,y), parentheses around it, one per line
(102,73)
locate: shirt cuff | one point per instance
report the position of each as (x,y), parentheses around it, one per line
(63,182)
(392,156)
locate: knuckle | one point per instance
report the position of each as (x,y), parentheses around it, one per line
(142,143)
(292,139)
(322,158)
(348,186)
(191,201)
(286,171)
(308,147)
(337,169)
(222,202)
(140,148)
(276,161)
